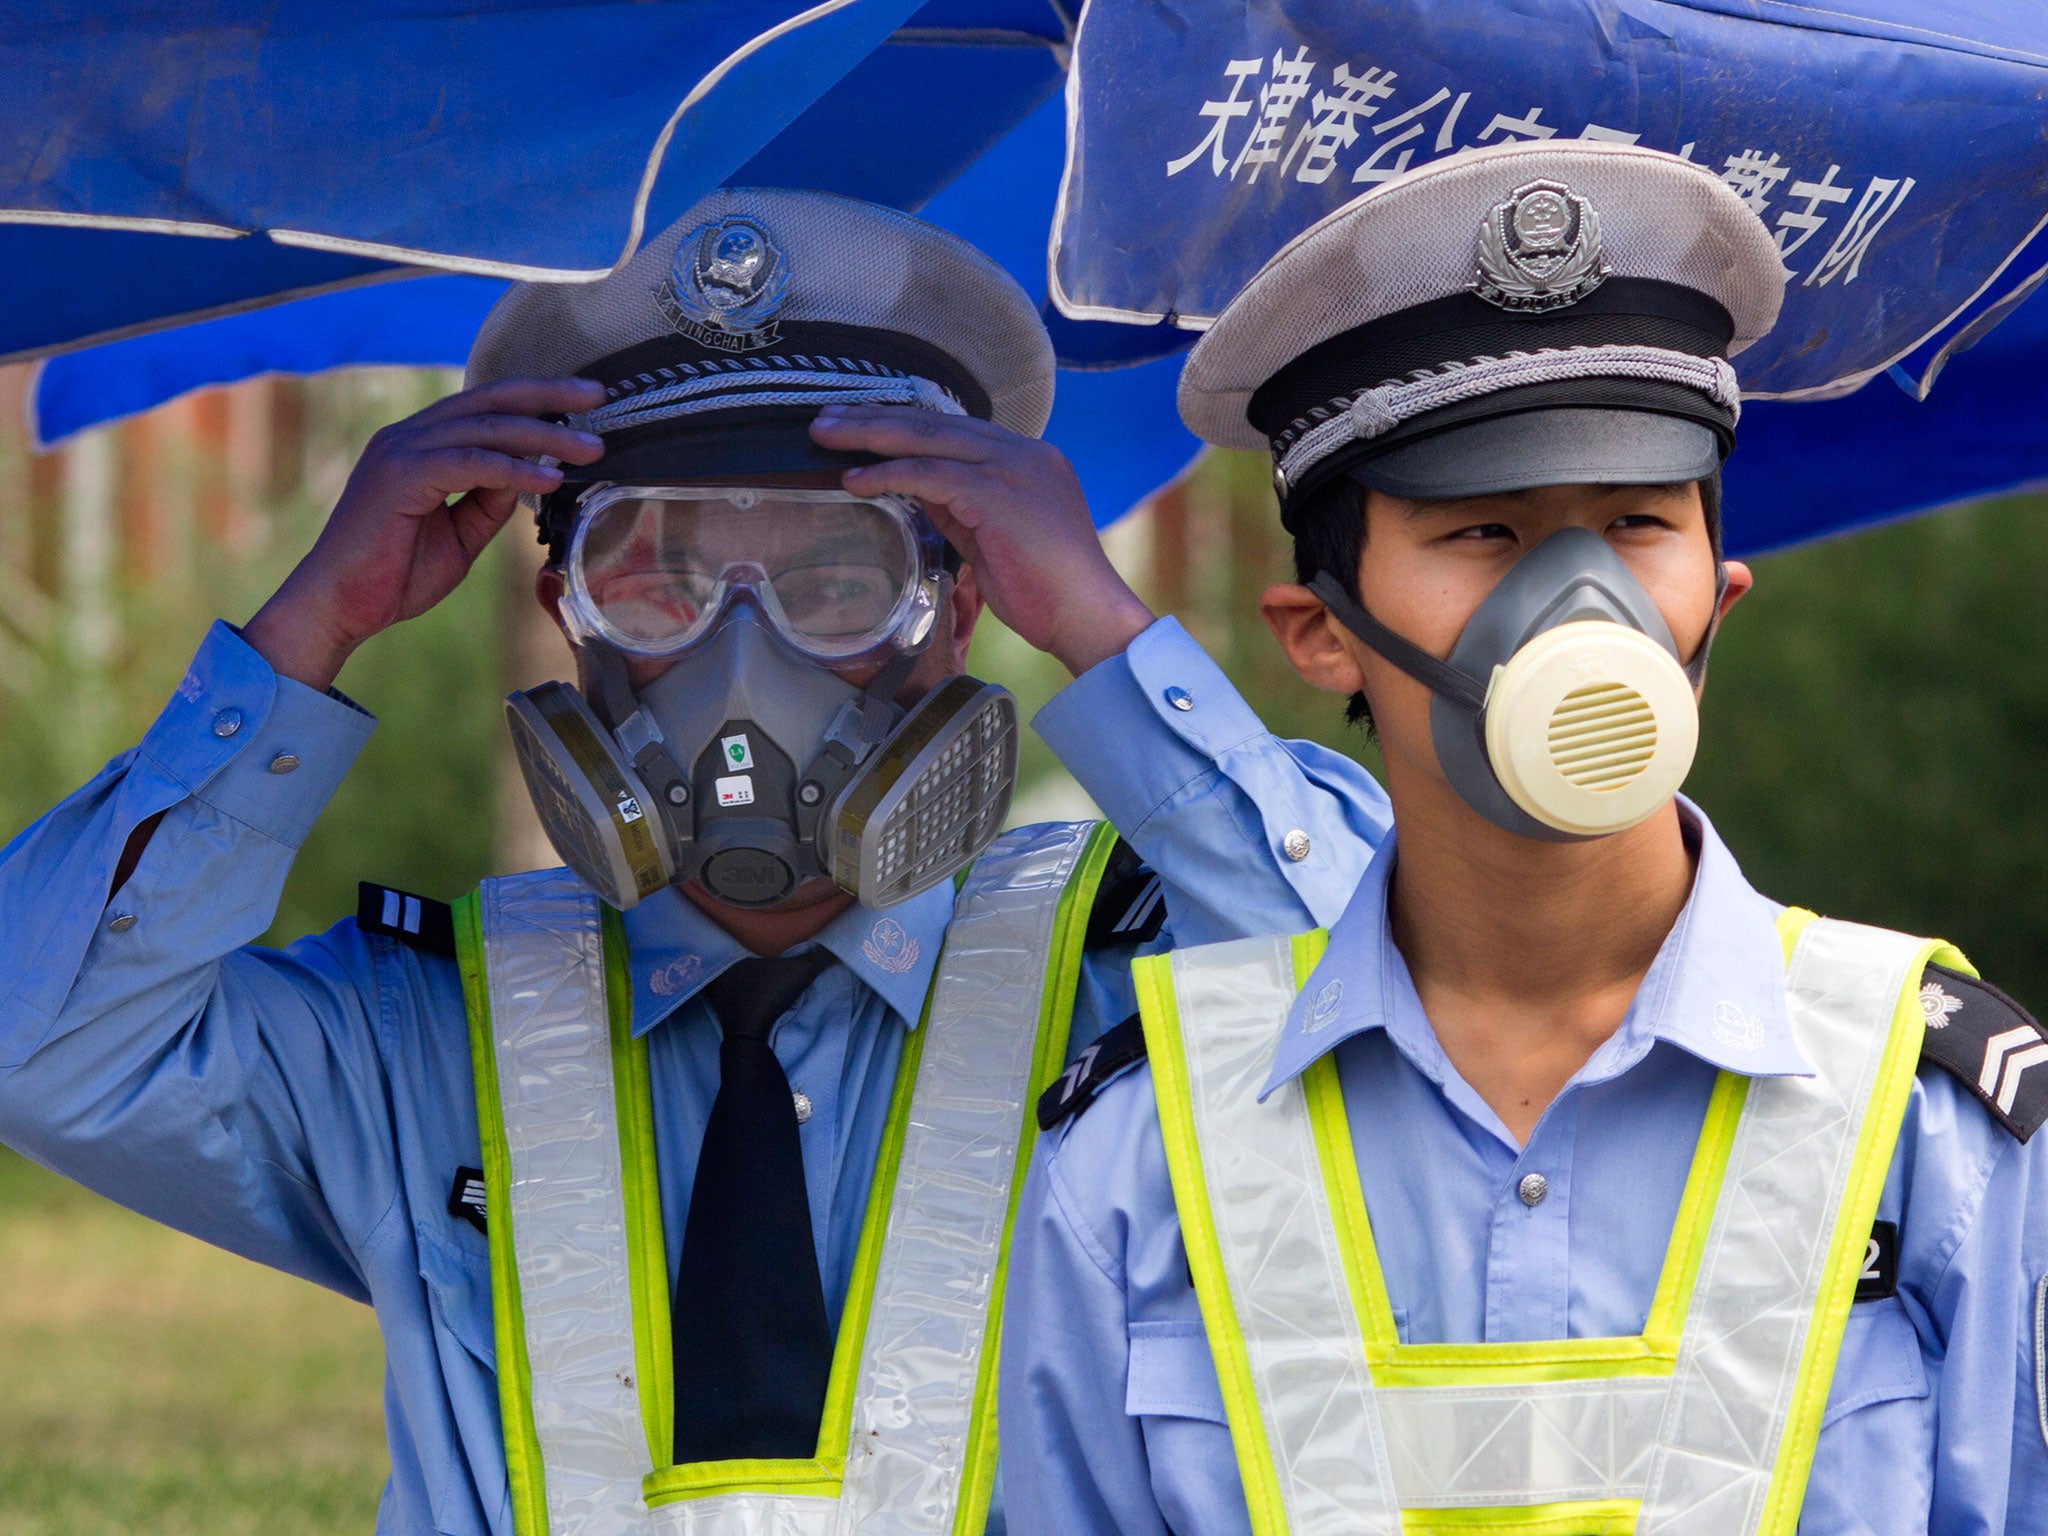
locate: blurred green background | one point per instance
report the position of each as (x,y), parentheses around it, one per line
(1875,746)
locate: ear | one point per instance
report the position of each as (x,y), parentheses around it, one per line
(963,612)
(1740,579)
(547,586)
(1312,638)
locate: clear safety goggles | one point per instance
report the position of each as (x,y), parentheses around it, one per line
(653,569)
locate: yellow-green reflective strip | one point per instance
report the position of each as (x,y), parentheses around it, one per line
(1160,1018)
(646,1248)
(1600,1517)
(1654,1352)
(821,1475)
(1876,1140)
(523,1469)
(1055,1024)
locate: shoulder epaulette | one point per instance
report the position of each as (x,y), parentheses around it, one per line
(1075,1089)
(420,921)
(1130,905)
(1991,1043)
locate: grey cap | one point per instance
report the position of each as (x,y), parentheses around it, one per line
(1563,446)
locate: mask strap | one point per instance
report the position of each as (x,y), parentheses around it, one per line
(878,708)
(1440,677)
(1696,669)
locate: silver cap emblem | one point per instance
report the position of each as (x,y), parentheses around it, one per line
(1539,250)
(725,285)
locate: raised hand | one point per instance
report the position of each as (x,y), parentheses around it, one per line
(1013,508)
(425,498)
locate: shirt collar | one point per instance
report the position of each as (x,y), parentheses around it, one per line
(1716,988)
(674,950)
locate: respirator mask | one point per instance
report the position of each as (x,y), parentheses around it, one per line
(749,764)
(1564,711)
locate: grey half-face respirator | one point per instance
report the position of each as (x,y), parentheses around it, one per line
(749,764)
(1564,711)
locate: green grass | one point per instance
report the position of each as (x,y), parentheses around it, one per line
(149,1383)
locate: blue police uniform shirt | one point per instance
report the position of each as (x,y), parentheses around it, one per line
(310,1107)
(1935,1419)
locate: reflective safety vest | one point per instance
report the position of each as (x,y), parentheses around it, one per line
(578,1270)
(1703,1425)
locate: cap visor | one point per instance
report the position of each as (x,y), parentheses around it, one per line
(1565,446)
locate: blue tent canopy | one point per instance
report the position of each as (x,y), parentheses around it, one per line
(405,157)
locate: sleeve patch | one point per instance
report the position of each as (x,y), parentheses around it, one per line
(1988,1041)
(419,921)
(1075,1089)
(1130,904)
(466,1199)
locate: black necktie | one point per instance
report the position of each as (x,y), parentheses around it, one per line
(753,1347)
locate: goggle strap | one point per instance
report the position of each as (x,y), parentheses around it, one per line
(1440,677)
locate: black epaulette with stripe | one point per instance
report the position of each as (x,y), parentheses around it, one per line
(1075,1089)
(1990,1043)
(1130,905)
(420,921)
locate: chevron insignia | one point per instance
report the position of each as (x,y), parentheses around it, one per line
(1991,1044)
(1075,1089)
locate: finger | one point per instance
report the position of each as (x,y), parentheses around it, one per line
(457,471)
(516,397)
(521,436)
(478,516)
(909,434)
(946,482)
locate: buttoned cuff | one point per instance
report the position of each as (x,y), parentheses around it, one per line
(1138,728)
(260,748)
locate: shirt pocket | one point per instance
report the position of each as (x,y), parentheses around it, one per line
(1172,1374)
(1880,1360)
(458,1283)
(1873,1468)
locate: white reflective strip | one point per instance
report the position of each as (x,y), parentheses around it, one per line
(750,1514)
(544,971)
(1547,1442)
(1280,1255)
(1722,1414)
(914,1403)
(1766,1250)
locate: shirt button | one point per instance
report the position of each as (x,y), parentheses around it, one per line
(227,722)
(802,1101)
(1533,1188)
(121,922)
(284,762)
(1295,845)
(1180,699)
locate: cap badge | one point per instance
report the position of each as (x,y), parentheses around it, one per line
(1539,250)
(726,284)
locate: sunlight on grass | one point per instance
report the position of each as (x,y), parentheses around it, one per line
(151,1383)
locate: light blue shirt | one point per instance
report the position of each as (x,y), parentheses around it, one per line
(310,1107)
(1935,1420)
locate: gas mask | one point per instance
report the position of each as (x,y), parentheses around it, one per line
(1564,711)
(749,764)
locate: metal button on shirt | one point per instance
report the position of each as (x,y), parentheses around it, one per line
(227,722)
(284,762)
(802,1101)
(1180,699)
(1295,845)
(122,922)
(1533,1188)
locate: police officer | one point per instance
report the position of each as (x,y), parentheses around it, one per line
(1566,1184)
(680,1177)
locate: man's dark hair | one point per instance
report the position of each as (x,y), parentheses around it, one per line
(1330,536)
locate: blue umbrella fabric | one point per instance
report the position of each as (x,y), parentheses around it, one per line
(171,160)
(1893,146)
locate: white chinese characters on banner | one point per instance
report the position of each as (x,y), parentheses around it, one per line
(1258,125)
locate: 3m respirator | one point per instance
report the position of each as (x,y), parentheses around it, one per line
(748,763)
